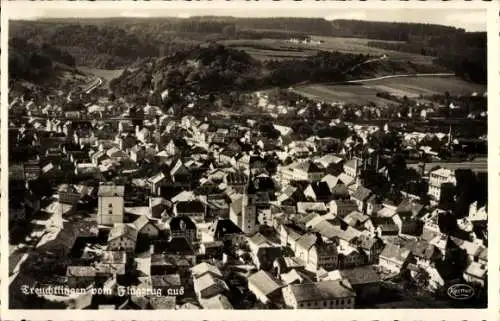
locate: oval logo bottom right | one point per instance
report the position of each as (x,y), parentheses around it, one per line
(460,291)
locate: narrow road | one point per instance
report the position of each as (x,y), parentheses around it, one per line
(401,76)
(93,86)
(356,81)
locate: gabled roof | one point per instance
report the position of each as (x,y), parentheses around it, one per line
(424,250)
(179,169)
(355,218)
(306,241)
(361,275)
(395,252)
(203,268)
(408,206)
(264,282)
(289,192)
(293,232)
(207,280)
(476,269)
(114,150)
(167,280)
(184,196)
(307,166)
(157,178)
(217,302)
(122,230)
(386,212)
(330,231)
(291,277)
(331,180)
(258,239)
(224,226)
(329,159)
(320,189)
(141,222)
(324,290)
(362,193)
(346,179)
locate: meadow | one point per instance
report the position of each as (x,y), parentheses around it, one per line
(412,87)
(263,49)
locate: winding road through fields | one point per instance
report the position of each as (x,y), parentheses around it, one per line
(400,76)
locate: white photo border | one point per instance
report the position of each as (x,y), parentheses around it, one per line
(12,8)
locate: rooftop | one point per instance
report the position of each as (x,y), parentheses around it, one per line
(323,290)
(109,190)
(264,282)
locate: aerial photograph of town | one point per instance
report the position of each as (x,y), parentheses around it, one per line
(251,160)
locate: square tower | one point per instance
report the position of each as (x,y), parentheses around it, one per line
(110,204)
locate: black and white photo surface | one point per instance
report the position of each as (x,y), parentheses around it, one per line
(251,159)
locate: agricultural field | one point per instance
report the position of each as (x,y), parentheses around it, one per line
(263,49)
(355,94)
(416,86)
(360,46)
(412,87)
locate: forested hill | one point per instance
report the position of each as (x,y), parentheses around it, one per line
(36,62)
(119,42)
(392,31)
(216,68)
(309,26)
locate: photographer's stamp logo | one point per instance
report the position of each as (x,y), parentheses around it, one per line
(460,291)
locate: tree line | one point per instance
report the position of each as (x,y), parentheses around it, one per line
(35,62)
(217,68)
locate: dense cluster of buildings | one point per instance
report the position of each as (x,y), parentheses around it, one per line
(192,213)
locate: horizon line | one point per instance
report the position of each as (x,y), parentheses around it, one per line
(145,17)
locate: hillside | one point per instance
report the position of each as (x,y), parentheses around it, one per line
(216,68)
(119,42)
(34,63)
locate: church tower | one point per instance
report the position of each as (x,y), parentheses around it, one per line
(450,138)
(248,208)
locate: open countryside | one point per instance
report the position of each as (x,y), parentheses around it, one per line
(364,92)
(263,49)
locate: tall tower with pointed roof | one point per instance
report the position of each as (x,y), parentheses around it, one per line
(450,138)
(248,207)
